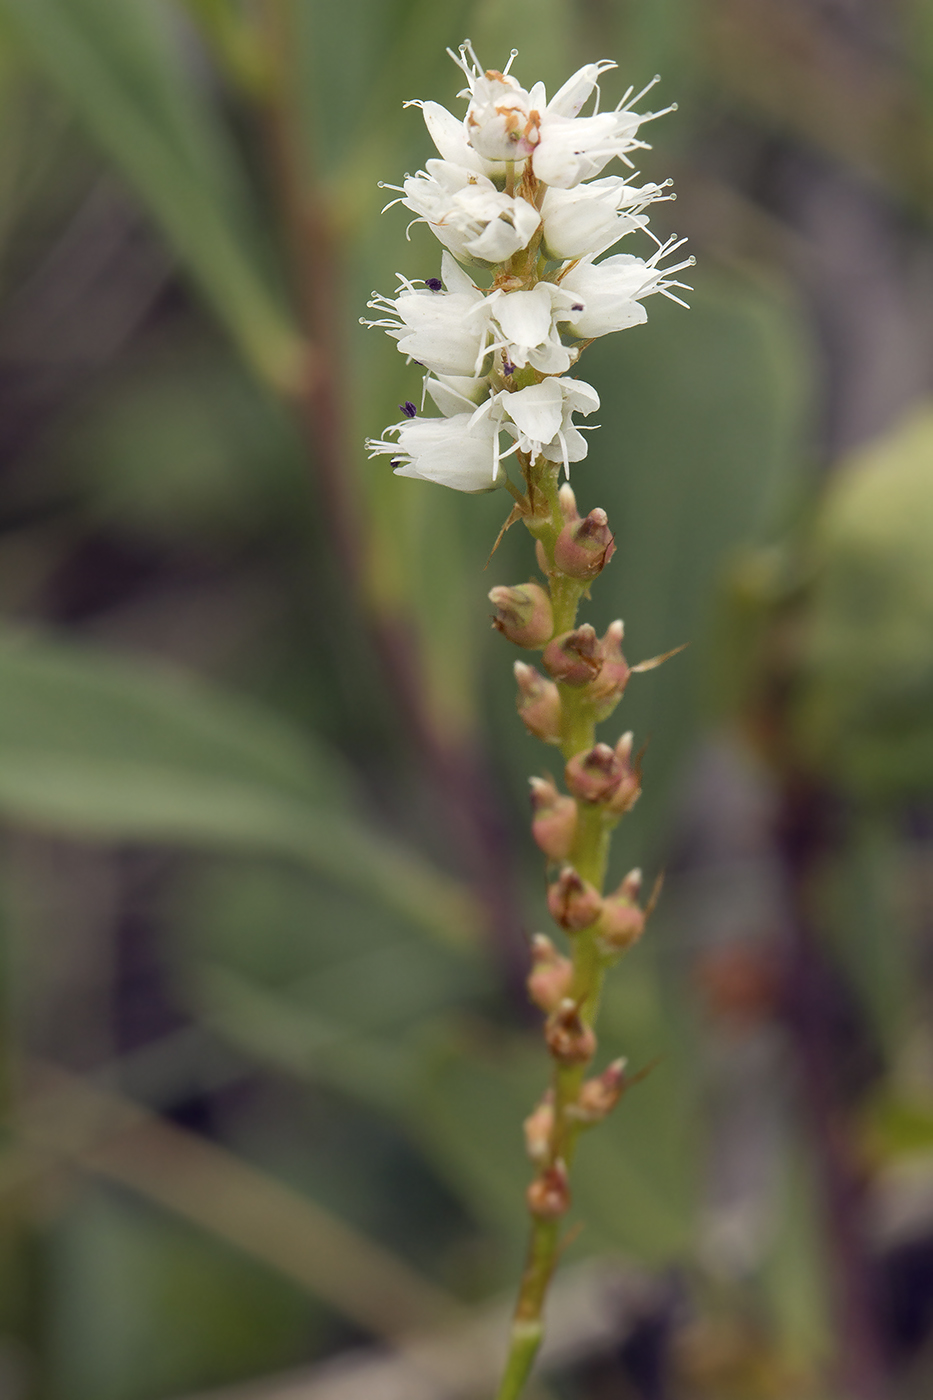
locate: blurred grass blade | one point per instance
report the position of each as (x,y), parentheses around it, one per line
(129,86)
(127,751)
(207,1185)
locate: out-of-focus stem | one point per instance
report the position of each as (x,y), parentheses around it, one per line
(457,774)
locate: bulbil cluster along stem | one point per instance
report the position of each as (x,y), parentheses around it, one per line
(603,784)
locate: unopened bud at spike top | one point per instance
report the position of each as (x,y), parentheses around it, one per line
(629,789)
(606,689)
(599,1096)
(538,703)
(523,614)
(538,1128)
(548,1196)
(570,1040)
(574,657)
(584,547)
(551,974)
(595,774)
(554,824)
(573,902)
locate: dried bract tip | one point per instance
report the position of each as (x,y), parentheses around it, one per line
(599,1096)
(538,1128)
(538,703)
(523,614)
(574,657)
(595,774)
(551,974)
(554,824)
(548,1196)
(569,1039)
(573,902)
(584,547)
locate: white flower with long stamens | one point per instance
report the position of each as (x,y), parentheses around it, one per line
(609,293)
(589,218)
(526,325)
(444,330)
(467,214)
(539,418)
(461,451)
(508,193)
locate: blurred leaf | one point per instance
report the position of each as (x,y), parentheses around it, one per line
(182,444)
(121,64)
(866,710)
(126,751)
(144,1306)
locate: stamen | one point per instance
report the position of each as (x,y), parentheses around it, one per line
(434,284)
(408,408)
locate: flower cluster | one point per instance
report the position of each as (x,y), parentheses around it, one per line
(514,195)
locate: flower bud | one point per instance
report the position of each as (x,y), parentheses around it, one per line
(622,921)
(606,689)
(584,547)
(538,703)
(544,564)
(595,774)
(548,1196)
(554,824)
(574,657)
(629,789)
(538,1128)
(568,503)
(574,903)
(568,1038)
(550,976)
(523,614)
(599,1096)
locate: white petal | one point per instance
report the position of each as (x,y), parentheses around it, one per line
(536,411)
(455,279)
(449,137)
(524,317)
(571,97)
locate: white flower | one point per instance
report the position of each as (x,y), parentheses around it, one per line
(504,123)
(590,218)
(539,418)
(608,293)
(446,331)
(468,214)
(528,329)
(461,451)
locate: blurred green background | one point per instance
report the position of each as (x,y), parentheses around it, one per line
(266,878)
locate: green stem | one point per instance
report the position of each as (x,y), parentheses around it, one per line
(589,857)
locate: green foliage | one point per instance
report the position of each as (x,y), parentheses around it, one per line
(866,709)
(117,750)
(127,1277)
(122,66)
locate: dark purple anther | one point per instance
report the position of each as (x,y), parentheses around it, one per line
(396,462)
(577,306)
(408,408)
(508,367)
(434,284)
